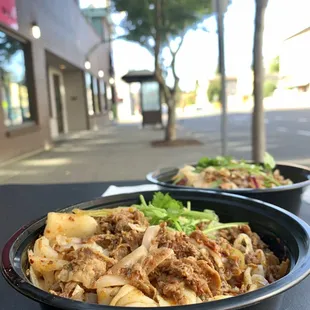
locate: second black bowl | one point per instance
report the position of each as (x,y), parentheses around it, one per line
(288,197)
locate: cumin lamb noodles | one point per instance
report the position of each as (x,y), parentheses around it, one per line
(160,254)
(227,173)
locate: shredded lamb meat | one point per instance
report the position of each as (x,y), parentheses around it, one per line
(122,232)
(85,267)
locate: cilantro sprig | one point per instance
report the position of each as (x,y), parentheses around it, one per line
(163,208)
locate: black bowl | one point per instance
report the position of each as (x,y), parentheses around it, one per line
(288,197)
(269,221)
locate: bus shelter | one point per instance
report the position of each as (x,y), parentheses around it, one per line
(150,96)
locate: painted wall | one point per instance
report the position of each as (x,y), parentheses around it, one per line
(65,33)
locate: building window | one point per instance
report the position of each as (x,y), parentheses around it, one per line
(97,107)
(89,94)
(103,95)
(14,90)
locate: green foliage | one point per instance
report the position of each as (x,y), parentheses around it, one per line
(275,65)
(189,98)
(177,17)
(269,88)
(214,90)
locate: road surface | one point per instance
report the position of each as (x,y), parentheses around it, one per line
(288,134)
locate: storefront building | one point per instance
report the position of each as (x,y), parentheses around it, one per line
(55,74)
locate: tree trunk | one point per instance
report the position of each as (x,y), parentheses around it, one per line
(258,124)
(171,133)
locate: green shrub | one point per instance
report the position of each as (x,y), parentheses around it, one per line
(214,90)
(189,98)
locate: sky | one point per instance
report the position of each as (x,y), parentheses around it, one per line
(198,56)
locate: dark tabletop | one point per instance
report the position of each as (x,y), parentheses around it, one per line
(21,204)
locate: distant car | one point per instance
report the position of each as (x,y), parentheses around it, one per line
(201,107)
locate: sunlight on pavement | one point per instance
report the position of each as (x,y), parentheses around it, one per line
(10,172)
(101,141)
(47,162)
(71,149)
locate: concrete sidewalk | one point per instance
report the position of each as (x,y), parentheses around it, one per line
(118,152)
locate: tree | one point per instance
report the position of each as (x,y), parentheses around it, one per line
(258,123)
(160,26)
(275,65)
(269,88)
(214,90)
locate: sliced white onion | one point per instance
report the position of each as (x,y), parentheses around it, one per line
(149,235)
(42,248)
(126,289)
(129,260)
(35,279)
(190,296)
(259,270)
(129,295)
(110,280)
(164,302)
(106,294)
(259,280)
(238,244)
(78,293)
(247,277)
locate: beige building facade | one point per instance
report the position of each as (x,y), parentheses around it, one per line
(46,91)
(295,61)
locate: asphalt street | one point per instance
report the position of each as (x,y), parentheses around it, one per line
(288,133)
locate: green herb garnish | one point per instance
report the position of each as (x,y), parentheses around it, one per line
(219,226)
(163,208)
(269,162)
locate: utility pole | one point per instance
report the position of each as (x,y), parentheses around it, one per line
(258,119)
(220,9)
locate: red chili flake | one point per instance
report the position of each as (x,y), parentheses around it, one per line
(71,219)
(31,261)
(255,182)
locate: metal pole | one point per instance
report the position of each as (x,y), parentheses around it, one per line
(220,27)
